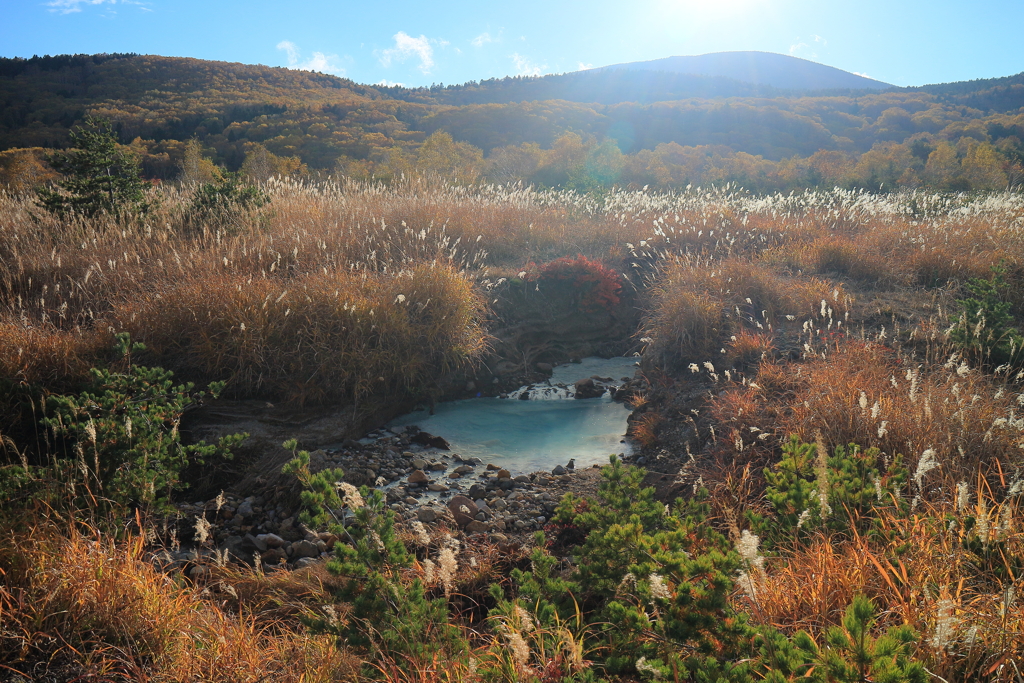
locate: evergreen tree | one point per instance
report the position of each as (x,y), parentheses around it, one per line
(98,175)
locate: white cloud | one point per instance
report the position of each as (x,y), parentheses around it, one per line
(389,84)
(525,67)
(584,67)
(71,6)
(292,50)
(321,62)
(482,39)
(406,46)
(857,73)
(802,49)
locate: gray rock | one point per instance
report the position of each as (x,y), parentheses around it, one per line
(558,469)
(260,544)
(477,527)
(303,548)
(522,479)
(304,562)
(419,463)
(241,549)
(436,487)
(418,477)
(425,514)
(245,509)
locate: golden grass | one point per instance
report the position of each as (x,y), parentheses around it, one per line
(84,605)
(698,304)
(926,570)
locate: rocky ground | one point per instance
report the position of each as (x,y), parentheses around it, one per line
(423,481)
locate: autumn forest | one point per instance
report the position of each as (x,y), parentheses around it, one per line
(580,131)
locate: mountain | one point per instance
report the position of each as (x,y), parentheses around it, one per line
(765,69)
(595,86)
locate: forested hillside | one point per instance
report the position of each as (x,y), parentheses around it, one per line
(581,130)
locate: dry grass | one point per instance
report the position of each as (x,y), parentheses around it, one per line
(73,604)
(698,304)
(929,570)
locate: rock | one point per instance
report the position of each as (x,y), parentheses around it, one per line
(245,509)
(497,538)
(558,470)
(522,479)
(425,514)
(274,556)
(436,487)
(587,388)
(463,469)
(491,467)
(303,548)
(419,464)
(438,467)
(477,527)
(418,477)
(239,548)
(304,562)
(455,475)
(546,368)
(463,516)
(257,541)
(504,474)
(426,439)
(477,491)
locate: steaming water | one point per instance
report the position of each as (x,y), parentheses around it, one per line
(527,436)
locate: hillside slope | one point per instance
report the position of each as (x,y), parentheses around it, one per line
(763,69)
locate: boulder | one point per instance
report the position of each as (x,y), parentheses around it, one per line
(463,510)
(303,548)
(270,540)
(430,440)
(477,527)
(425,514)
(588,388)
(418,477)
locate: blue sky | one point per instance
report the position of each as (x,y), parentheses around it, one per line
(909,42)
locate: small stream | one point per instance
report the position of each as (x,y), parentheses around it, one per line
(551,427)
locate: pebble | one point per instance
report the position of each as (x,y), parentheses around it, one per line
(494,502)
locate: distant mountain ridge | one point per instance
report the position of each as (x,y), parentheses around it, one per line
(765,69)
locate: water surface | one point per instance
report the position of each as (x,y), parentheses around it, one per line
(526,436)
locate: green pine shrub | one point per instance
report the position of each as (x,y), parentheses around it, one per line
(118,442)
